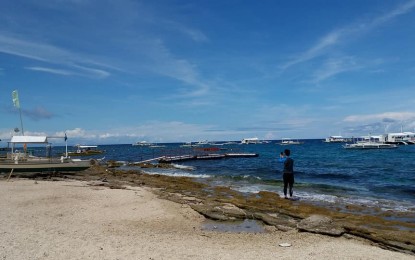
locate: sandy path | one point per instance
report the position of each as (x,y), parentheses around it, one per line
(70,220)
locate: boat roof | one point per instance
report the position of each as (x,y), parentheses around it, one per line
(401,134)
(29,139)
(87,146)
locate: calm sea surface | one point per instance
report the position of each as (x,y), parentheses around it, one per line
(325,173)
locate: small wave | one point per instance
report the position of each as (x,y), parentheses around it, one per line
(173,173)
(249,189)
(183,167)
(333,200)
(251,177)
(383,204)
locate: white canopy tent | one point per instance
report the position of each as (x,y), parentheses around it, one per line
(25,139)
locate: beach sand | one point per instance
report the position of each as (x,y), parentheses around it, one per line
(72,220)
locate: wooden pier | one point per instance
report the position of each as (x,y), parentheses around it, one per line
(181,158)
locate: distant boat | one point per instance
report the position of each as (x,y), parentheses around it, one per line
(336,139)
(204,142)
(370,145)
(157,146)
(289,141)
(253,140)
(22,161)
(85,150)
(142,143)
(227,143)
(189,144)
(400,138)
(370,142)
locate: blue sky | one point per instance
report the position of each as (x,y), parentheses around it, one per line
(109,72)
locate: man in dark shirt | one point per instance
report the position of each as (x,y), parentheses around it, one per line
(288,173)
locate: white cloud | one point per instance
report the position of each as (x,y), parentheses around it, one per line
(44,52)
(334,66)
(316,50)
(396,116)
(50,70)
(193,33)
(338,36)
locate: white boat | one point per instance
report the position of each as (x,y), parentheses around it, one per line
(370,145)
(370,142)
(204,142)
(289,141)
(336,139)
(253,140)
(189,144)
(157,146)
(400,138)
(85,150)
(142,143)
(228,143)
(22,161)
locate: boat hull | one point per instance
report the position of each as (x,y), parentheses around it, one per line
(369,146)
(45,167)
(85,153)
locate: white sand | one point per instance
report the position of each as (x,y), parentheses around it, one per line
(70,220)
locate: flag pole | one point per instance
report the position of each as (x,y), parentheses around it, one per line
(16,102)
(66,145)
(21,121)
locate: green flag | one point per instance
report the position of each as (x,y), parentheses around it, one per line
(15,97)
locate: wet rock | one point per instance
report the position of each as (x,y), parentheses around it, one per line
(280,222)
(220,212)
(321,225)
(231,210)
(209,212)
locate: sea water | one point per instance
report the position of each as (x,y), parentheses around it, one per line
(325,173)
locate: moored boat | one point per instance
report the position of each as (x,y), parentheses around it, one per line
(85,150)
(370,145)
(336,139)
(403,138)
(253,140)
(17,161)
(142,143)
(370,142)
(289,141)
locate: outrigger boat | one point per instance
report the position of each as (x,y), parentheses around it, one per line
(17,161)
(370,145)
(289,141)
(336,139)
(370,142)
(84,150)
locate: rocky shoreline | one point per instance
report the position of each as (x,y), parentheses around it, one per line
(224,204)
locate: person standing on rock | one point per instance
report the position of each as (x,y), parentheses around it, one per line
(288,172)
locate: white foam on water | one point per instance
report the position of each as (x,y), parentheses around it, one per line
(249,176)
(247,189)
(317,197)
(176,173)
(253,188)
(183,167)
(384,205)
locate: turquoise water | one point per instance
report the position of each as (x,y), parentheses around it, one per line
(325,173)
